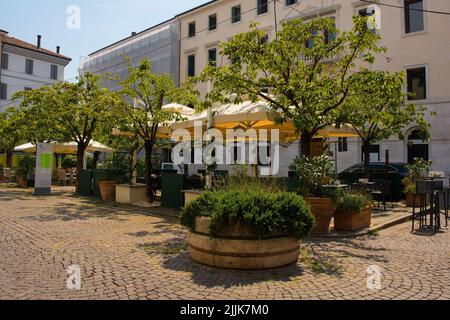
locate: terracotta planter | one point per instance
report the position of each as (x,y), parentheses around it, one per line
(23,183)
(238,247)
(351,221)
(323,210)
(108,190)
(410,200)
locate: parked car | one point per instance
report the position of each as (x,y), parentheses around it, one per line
(375,168)
(165,166)
(396,171)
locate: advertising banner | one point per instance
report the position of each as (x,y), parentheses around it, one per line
(44,161)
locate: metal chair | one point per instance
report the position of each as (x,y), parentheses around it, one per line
(62,177)
(7,173)
(438,190)
(382,192)
(428,202)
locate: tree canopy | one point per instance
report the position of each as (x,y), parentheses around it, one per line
(307,72)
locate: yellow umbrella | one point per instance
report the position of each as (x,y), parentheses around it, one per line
(258,116)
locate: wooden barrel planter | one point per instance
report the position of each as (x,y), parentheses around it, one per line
(351,221)
(238,247)
(323,210)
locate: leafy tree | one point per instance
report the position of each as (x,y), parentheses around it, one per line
(144,93)
(10,133)
(376,110)
(307,72)
(69,111)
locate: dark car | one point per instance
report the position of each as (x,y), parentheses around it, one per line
(375,168)
(396,173)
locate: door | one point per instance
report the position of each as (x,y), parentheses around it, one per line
(418,151)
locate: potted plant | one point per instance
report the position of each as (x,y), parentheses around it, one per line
(313,174)
(246,229)
(25,171)
(353,212)
(417,170)
(114,171)
(127,191)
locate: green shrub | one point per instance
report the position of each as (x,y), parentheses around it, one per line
(265,211)
(69,162)
(25,167)
(313,174)
(416,171)
(352,203)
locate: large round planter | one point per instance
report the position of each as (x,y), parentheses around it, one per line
(323,210)
(238,247)
(351,221)
(108,190)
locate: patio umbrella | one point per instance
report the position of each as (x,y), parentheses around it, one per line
(164,131)
(66,148)
(258,116)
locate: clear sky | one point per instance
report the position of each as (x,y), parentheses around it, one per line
(102,22)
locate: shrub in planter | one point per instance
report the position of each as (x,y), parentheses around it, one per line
(416,171)
(25,170)
(69,162)
(353,212)
(254,229)
(313,173)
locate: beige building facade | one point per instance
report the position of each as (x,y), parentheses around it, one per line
(415,33)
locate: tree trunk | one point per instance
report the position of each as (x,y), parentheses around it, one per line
(95,160)
(149,166)
(57,160)
(9,156)
(306,144)
(366,157)
(80,157)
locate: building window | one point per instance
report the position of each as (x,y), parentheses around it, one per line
(212,56)
(343,144)
(54,72)
(414,17)
(309,44)
(3,91)
(5,61)
(263,6)
(191,29)
(236,14)
(29,66)
(212,22)
(417,85)
(265,39)
(329,36)
(191,65)
(290,2)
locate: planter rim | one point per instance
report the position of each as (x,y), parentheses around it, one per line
(353,212)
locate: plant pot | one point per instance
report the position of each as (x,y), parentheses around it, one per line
(23,183)
(108,190)
(353,221)
(191,195)
(130,194)
(323,210)
(410,200)
(238,247)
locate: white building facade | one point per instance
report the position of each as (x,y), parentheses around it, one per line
(27,66)
(415,33)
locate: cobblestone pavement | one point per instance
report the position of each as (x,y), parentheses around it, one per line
(125,253)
